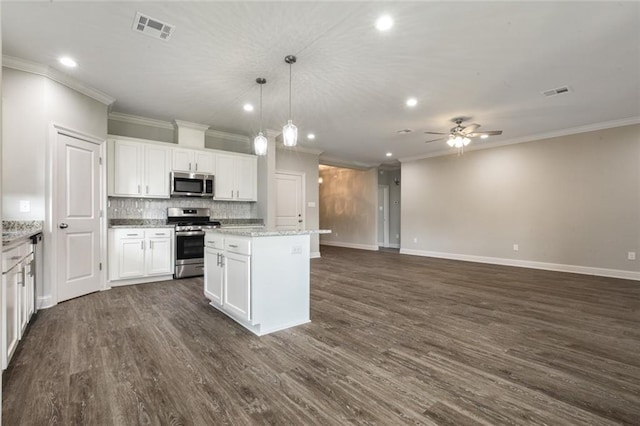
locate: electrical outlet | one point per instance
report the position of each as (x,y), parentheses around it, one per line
(25,206)
(516,247)
(296,250)
(415,240)
(631,255)
(397,236)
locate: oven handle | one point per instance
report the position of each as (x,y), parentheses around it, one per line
(189,233)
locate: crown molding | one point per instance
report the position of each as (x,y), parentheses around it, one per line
(190,125)
(57,76)
(337,162)
(228,136)
(143,121)
(540,136)
(299,148)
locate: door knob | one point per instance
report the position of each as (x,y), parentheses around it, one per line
(63,226)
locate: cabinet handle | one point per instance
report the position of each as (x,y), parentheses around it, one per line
(217,259)
(238,193)
(196,166)
(132,235)
(24,276)
(159,233)
(221,259)
(233,245)
(147,189)
(151,244)
(142,245)
(139,189)
(189,166)
(15,257)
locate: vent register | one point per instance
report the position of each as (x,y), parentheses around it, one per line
(557,91)
(152,27)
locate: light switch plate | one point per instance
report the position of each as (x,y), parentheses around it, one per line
(311,204)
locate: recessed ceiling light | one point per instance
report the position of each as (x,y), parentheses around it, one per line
(484,136)
(247,107)
(384,23)
(389,154)
(311,136)
(68,62)
(412,102)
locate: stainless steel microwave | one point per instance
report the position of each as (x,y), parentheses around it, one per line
(191,185)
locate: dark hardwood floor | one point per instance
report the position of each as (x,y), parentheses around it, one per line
(394,339)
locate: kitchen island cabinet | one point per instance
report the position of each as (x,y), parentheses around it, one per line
(259,277)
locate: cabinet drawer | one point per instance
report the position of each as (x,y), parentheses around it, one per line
(158,232)
(10,258)
(129,233)
(214,241)
(237,245)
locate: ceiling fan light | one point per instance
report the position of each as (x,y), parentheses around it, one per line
(260,144)
(290,134)
(465,141)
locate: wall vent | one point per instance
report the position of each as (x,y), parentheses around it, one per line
(152,27)
(404,131)
(557,91)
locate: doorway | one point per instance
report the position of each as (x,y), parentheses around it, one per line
(290,200)
(77,227)
(383,215)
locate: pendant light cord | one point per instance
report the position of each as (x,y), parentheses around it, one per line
(290,117)
(261,108)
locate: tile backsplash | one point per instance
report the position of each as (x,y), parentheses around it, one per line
(141,208)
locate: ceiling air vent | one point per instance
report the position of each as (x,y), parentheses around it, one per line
(557,91)
(152,27)
(404,131)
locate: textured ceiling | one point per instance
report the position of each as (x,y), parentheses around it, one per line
(484,60)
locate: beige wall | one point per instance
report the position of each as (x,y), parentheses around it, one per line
(293,161)
(31,104)
(348,206)
(572,200)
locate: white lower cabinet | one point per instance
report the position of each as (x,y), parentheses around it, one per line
(17,297)
(260,282)
(139,253)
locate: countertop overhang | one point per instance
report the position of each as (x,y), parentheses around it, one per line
(265,232)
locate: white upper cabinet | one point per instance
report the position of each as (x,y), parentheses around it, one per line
(190,160)
(138,169)
(236,177)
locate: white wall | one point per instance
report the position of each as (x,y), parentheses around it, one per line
(292,161)
(572,200)
(348,206)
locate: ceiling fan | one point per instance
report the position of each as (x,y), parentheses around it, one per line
(460,136)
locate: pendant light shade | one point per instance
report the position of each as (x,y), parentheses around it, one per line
(260,142)
(290,131)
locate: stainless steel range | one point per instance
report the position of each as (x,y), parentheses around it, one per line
(191,225)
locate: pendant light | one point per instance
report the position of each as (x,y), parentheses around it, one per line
(290,131)
(260,142)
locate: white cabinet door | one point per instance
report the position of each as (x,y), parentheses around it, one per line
(182,160)
(205,162)
(10,313)
(237,285)
(156,171)
(246,178)
(130,257)
(127,168)
(224,180)
(213,275)
(159,258)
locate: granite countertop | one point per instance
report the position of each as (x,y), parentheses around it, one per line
(139,223)
(262,232)
(16,232)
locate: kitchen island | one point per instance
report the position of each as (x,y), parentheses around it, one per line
(259,277)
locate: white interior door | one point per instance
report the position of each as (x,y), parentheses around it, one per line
(289,202)
(78,216)
(383,215)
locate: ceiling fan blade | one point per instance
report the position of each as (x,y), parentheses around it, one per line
(434,140)
(436,133)
(469,129)
(488,133)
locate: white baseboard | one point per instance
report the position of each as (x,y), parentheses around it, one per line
(45,302)
(349,245)
(144,280)
(586,270)
(314,255)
